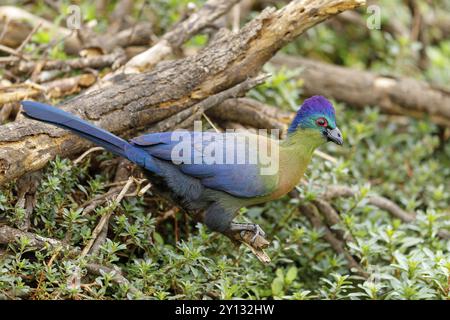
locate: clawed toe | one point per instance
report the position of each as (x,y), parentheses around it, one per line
(245,227)
(257,230)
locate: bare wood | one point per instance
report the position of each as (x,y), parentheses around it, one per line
(135,101)
(251,112)
(196,112)
(27,186)
(17,94)
(8,111)
(140,34)
(13,52)
(336,191)
(28,38)
(16,24)
(392,208)
(394,95)
(10,235)
(53,89)
(171,41)
(105,219)
(95,62)
(123,172)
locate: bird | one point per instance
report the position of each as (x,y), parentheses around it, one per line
(217,189)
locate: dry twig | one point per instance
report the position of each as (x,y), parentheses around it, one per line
(105,218)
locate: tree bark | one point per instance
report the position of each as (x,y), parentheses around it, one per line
(253,113)
(357,88)
(135,101)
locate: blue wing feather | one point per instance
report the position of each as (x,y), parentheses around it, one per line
(241,180)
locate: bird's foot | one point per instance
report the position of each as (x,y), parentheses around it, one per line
(252,236)
(242,228)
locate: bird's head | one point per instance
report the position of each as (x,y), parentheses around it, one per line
(317,113)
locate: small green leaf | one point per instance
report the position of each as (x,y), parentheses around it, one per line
(277,287)
(291,275)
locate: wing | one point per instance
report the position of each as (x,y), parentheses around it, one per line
(225,162)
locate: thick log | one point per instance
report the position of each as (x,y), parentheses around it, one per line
(396,95)
(134,101)
(252,113)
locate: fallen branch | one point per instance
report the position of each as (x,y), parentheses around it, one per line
(139,35)
(14,52)
(10,235)
(123,172)
(27,186)
(251,112)
(195,112)
(338,191)
(170,42)
(16,24)
(362,88)
(95,62)
(105,218)
(53,89)
(332,218)
(8,111)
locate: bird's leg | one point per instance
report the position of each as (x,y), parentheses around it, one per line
(220,219)
(242,232)
(252,227)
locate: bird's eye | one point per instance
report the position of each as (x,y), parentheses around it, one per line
(322,122)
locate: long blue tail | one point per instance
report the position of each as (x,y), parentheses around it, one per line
(103,138)
(65,120)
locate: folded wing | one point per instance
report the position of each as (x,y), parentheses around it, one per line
(226,162)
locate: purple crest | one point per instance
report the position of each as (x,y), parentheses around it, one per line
(316,105)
